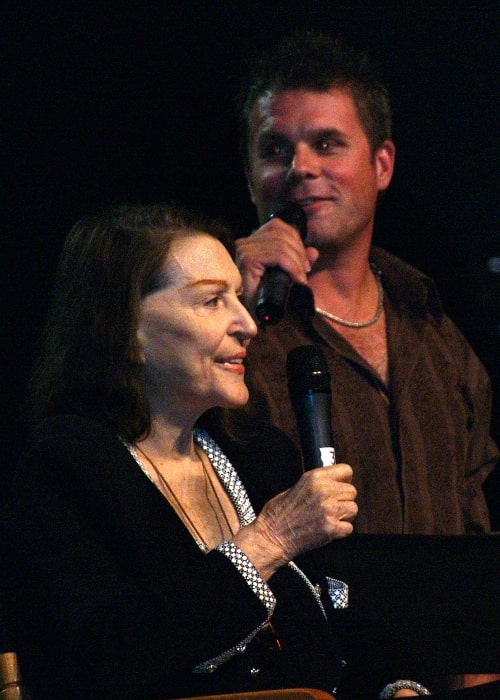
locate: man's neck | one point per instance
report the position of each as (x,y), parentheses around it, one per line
(343,282)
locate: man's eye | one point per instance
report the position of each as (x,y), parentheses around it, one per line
(213,301)
(327,145)
(276,151)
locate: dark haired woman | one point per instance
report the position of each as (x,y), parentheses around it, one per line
(138,567)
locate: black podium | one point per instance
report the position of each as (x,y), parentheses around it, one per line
(420,607)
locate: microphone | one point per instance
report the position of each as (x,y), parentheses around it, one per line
(275,283)
(311,395)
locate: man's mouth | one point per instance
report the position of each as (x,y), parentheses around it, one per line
(305,202)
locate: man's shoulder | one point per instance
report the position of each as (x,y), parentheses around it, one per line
(407,286)
(395,268)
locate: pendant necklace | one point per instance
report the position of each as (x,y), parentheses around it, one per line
(171,496)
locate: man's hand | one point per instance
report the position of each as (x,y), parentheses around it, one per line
(273,244)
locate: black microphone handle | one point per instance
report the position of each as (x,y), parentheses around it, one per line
(313,410)
(272,295)
(309,385)
(275,283)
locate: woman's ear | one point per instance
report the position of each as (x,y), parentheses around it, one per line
(138,354)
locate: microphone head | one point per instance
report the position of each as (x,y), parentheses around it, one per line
(293,214)
(307,370)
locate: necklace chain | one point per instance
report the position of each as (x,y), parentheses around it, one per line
(181,510)
(208,480)
(359,324)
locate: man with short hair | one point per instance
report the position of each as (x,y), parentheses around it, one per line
(411,401)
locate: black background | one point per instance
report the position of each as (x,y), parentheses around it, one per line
(107,102)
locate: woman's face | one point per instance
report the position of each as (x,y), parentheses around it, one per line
(193,331)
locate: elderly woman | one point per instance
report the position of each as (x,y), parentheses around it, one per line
(138,566)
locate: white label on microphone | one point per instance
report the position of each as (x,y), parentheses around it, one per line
(327,456)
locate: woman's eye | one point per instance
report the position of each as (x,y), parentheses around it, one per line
(213,301)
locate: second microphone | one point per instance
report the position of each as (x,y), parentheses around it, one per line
(275,284)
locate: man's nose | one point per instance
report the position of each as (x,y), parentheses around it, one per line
(304,163)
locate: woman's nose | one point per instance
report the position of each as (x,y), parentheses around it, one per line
(246,326)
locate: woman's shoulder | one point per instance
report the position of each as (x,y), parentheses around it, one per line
(66,428)
(71,439)
(69,453)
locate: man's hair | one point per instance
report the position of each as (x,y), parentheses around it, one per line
(89,362)
(317,62)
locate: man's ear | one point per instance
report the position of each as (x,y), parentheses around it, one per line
(248,177)
(384,163)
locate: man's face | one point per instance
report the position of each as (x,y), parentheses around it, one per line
(309,147)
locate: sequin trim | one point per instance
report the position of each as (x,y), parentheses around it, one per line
(308,583)
(227,474)
(338,592)
(246,514)
(258,586)
(249,573)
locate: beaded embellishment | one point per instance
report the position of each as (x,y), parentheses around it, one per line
(246,515)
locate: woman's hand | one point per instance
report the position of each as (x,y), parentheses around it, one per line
(318,509)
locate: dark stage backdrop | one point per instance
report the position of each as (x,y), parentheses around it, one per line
(107,102)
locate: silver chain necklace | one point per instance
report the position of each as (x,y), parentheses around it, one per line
(359,324)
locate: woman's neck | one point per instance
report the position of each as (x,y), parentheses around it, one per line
(169,439)
(183,473)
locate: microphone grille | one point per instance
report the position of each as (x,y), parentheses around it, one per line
(293,214)
(307,369)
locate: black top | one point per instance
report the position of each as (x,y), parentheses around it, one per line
(112,598)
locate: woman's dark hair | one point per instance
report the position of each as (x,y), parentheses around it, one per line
(89,360)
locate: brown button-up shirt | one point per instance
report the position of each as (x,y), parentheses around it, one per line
(420,448)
